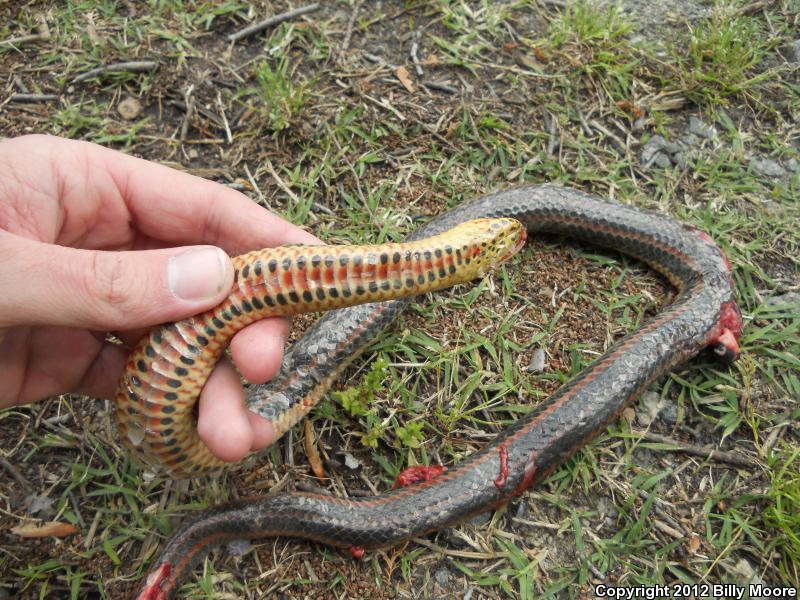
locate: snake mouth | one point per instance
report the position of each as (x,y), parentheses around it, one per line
(518,245)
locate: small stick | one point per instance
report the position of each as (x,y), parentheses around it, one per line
(255,185)
(415,59)
(349,31)
(280,182)
(273,20)
(553,141)
(189,99)
(33,97)
(24,39)
(693,450)
(14,472)
(311,450)
(441,87)
(135,66)
(224,118)
(586,129)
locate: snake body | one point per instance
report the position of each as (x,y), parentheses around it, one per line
(169,366)
(704,314)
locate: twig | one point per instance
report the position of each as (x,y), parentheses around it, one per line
(187,118)
(349,31)
(42,35)
(582,119)
(373,58)
(273,20)
(280,182)
(415,59)
(24,39)
(441,87)
(255,185)
(135,66)
(33,97)
(749,9)
(14,472)
(615,141)
(224,118)
(693,450)
(553,131)
(311,450)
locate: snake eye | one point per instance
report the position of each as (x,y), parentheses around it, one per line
(725,353)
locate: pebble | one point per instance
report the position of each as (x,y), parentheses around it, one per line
(662,160)
(651,147)
(790,298)
(669,414)
(129,108)
(538,361)
(648,408)
(767,167)
(238,547)
(793,51)
(701,129)
(481,519)
(443,577)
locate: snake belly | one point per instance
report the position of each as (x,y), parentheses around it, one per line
(168,368)
(704,314)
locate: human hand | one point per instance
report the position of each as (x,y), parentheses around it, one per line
(95,241)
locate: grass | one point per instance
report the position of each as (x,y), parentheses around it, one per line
(544,95)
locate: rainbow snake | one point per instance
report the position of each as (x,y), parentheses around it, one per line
(168,368)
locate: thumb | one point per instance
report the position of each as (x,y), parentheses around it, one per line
(46,284)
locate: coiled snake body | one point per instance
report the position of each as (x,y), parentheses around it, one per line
(704,314)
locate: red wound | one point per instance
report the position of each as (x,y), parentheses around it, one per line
(725,336)
(413,475)
(357,552)
(527,476)
(500,480)
(152,589)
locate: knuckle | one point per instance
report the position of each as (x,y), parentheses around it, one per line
(110,288)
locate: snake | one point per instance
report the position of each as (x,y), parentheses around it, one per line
(704,314)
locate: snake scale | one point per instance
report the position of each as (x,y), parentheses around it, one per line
(704,314)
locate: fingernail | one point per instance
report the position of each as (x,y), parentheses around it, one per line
(197,274)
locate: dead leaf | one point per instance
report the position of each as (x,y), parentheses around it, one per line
(402,75)
(48,529)
(311,450)
(632,109)
(629,415)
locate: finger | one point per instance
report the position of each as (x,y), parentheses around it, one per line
(36,363)
(56,285)
(257,350)
(180,208)
(263,432)
(223,423)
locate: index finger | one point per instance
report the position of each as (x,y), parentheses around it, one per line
(180,208)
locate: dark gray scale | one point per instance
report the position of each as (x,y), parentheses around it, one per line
(543,436)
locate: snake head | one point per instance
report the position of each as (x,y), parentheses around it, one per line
(724,338)
(489,242)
